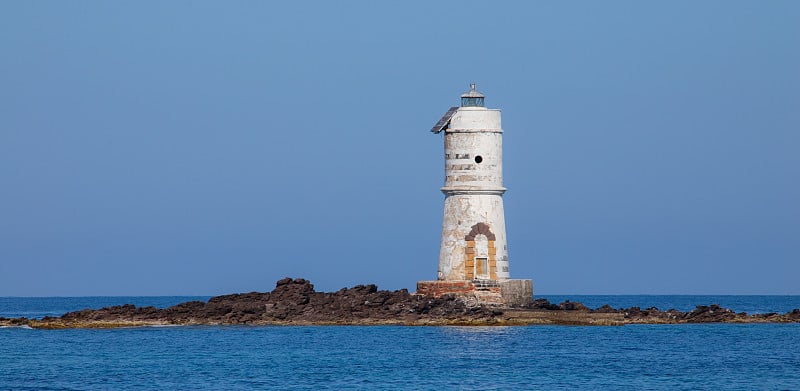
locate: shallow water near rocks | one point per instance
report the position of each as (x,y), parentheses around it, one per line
(706,356)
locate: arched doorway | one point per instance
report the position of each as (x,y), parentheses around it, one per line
(480,262)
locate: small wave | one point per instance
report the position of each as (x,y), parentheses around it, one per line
(24,326)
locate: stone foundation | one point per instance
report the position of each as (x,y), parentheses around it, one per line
(516,292)
(503,292)
(439,288)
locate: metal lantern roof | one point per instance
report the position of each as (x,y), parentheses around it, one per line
(472,98)
(472,93)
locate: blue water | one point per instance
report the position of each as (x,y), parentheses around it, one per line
(653,357)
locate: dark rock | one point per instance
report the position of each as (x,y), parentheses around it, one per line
(283,281)
(572,306)
(606,309)
(709,314)
(543,304)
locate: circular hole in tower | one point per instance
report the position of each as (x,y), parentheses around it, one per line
(478,159)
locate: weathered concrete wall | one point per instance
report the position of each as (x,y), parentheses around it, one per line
(516,292)
(473,151)
(462,213)
(473,188)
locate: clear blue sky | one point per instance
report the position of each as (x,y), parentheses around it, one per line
(190,147)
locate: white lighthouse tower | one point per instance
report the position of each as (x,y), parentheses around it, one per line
(473,257)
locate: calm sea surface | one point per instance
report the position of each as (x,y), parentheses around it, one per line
(710,356)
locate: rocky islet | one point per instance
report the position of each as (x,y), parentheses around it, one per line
(295,302)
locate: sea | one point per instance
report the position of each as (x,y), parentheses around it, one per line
(631,357)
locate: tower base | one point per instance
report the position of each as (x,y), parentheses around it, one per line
(508,293)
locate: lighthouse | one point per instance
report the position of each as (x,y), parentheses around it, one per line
(473,255)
